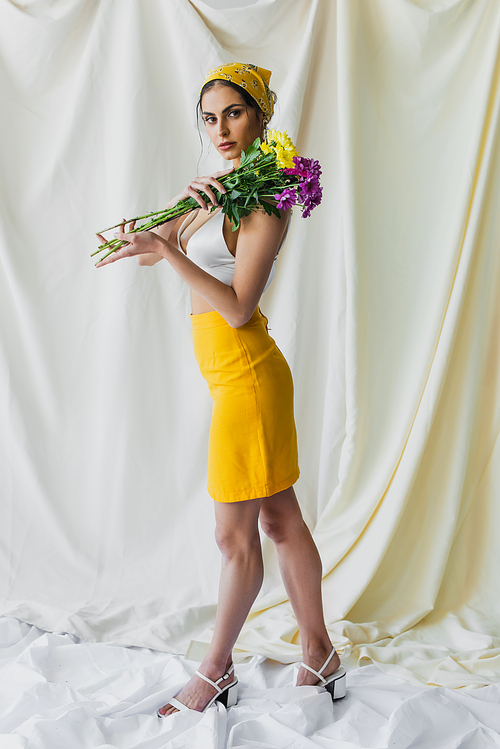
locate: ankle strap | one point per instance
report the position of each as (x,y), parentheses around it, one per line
(215,684)
(325,664)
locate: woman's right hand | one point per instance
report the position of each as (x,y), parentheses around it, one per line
(203,184)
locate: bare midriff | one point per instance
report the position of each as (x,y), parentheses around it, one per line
(199,305)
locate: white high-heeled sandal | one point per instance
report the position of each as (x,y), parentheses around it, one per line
(228,696)
(335,683)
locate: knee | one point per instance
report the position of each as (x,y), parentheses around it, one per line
(280,527)
(233,544)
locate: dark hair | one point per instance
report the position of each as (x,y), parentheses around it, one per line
(249,100)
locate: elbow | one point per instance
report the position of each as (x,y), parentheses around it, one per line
(236,323)
(239,319)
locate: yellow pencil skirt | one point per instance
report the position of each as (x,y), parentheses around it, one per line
(253,443)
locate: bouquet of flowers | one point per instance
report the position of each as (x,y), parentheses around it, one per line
(271,176)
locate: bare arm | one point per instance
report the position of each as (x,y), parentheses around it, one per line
(259,239)
(168,231)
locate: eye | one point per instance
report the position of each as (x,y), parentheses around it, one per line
(234,112)
(210,120)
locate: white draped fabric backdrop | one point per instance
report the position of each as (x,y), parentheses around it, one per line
(386,303)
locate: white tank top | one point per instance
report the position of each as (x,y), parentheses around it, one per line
(208,249)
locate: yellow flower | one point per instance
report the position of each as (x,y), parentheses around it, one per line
(282,145)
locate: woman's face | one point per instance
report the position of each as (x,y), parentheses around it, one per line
(231,125)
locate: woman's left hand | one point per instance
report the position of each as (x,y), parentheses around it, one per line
(141,243)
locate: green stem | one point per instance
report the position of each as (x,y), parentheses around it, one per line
(165,216)
(268,173)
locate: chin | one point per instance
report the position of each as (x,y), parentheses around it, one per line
(230,155)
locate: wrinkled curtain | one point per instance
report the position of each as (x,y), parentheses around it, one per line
(385,303)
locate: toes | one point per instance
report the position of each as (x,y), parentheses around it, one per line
(167,710)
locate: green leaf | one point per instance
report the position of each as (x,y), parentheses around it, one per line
(270,208)
(228,210)
(252,153)
(250,197)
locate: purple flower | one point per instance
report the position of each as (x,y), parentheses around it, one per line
(286,199)
(310,194)
(304,167)
(309,189)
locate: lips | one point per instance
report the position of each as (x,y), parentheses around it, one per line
(226,146)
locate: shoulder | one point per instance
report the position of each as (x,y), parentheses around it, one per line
(258,222)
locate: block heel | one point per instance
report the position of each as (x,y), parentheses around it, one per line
(335,684)
(229,697)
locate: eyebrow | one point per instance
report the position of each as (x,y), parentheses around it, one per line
(231,106)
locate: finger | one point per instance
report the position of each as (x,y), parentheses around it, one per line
(223,173)
(209,193)
(210,179)
(218,185)
(196,195)
(110,259)
(124,237)
(204,183)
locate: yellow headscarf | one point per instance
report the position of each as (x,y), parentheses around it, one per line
(253,79)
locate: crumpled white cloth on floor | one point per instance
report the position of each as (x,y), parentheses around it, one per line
(57,692)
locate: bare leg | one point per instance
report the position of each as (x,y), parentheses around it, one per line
(300,567)
(237,536)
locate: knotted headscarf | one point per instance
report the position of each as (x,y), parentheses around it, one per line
(253,79)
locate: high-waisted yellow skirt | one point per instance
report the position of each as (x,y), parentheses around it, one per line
(253,443)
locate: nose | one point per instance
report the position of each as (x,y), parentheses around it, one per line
(223,128)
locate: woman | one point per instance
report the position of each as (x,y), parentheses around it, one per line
(253,446)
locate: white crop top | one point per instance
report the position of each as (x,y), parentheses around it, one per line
(208,249)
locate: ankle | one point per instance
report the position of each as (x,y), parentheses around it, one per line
(316,649)
(215,668)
